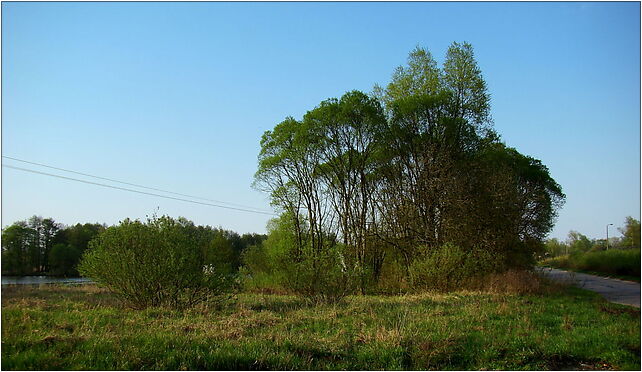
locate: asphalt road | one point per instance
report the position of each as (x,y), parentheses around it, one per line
(615,290)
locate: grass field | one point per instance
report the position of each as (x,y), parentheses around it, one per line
(84,327)
(623,264)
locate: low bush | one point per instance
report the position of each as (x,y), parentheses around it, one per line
(157,263)
(323,277)
(260,272)
(450,267)
(280,265)
(319,277)
(618,262)
(393,278)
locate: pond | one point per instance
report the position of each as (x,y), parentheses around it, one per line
(35,280)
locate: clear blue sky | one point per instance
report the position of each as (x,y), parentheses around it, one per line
(177,95)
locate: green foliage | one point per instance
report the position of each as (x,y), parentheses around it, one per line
(463,76)
(631,233)
(220,253)
(450,267)
(578,242)
(63,259)
(394,278)
(27,245)
(554,247)
(280,264)
(617,262)
(323,277)
(534,194)
(416,164)
(421,76)
(79,235)
(15,245)
(268,266)
(157,263)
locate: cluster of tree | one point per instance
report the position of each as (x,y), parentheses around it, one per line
(41,246)
(370,186)
(579,243)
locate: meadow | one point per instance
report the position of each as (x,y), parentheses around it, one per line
(66,327)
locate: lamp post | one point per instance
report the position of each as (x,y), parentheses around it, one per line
(607,236)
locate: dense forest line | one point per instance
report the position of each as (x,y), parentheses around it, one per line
(41,246)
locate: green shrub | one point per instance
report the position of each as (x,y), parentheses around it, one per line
(393,278)
(620,262)
(323,276)
(158,263)
(260,272)
(277,265)
(558,262)
(614,261)
(450,267)
(320,276)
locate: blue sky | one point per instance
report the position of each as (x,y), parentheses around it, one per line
(176,95)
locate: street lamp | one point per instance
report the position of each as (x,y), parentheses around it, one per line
(607,236)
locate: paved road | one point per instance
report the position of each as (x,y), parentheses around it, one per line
(614,290)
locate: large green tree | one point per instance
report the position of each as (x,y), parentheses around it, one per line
(15,244)
(408,170)
(349,131)
(631,233)
(578,242)
(27,245)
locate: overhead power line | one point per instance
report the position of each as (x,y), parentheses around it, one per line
(133,184)
(136,191)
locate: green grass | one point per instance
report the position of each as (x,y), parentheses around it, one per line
(623,264)
(84,327)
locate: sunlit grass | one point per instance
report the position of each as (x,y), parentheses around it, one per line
(84,327)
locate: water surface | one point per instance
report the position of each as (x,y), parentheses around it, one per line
(35,280)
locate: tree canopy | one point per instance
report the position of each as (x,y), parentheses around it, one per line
(393,176)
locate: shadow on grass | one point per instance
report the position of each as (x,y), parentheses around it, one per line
(619,309)
(570,363)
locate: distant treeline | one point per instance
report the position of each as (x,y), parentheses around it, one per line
(580,243)
(41,246)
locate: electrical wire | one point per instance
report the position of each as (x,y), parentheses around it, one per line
(136,191)
(133,184)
